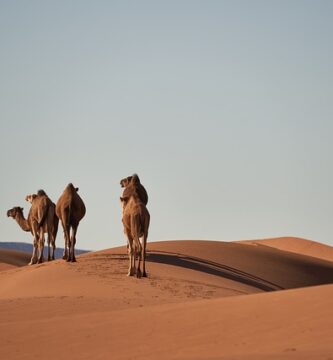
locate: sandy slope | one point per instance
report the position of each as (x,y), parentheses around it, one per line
(186,309)
(296,245)
(293,324)
(10,259)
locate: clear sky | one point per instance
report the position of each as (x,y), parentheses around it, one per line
(223,108)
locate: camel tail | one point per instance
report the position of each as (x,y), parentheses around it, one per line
(55,226)
(67,216)
(137,229)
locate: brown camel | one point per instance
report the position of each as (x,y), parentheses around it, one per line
(70,209)
(136,220)
(51,223)
(140,189)
(36,223)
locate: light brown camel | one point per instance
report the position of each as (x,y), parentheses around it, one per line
(140,189)
(136,220)
(70,209)
(36,223)
(51,223)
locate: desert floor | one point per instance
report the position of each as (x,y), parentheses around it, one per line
(264,299)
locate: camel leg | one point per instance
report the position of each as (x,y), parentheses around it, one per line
(132,260)
(131,255)
(72,244)
(41,246)
(51,243)
(53,246)
(138,251)
(143,242)
(48,246)
(66,236)
(131,269)
(54,236)
(34,256)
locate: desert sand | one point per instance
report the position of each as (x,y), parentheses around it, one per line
(265,299)
(10,259)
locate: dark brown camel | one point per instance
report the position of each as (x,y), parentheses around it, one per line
(70,209)
(136,220)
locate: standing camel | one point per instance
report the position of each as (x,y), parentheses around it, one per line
(51,224)
(36,223)
(70,209)
(136,220)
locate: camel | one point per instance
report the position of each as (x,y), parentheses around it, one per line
(35,223)
(136,220)
(51,225)
(140,189)
(70,209)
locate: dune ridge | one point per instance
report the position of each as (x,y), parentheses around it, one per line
(296,245)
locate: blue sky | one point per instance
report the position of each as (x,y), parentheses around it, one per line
(224,109)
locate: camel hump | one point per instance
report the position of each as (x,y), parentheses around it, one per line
(41,192)
(143,194)
(136,179)
(140,189)
(44,211)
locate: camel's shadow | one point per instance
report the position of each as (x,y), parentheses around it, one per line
(211,268)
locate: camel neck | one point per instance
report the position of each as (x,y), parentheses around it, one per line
(23,223)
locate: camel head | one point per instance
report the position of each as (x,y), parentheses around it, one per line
(30,198)
(71,187)
(14,211)
(126,181)
(130,179)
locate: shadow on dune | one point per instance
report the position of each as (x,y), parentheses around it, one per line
(212,268)
(260,267)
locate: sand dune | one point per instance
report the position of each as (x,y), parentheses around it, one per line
(201,300)
(10,259)
(296,245)
(293,324)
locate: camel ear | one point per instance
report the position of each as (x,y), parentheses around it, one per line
(21,208)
